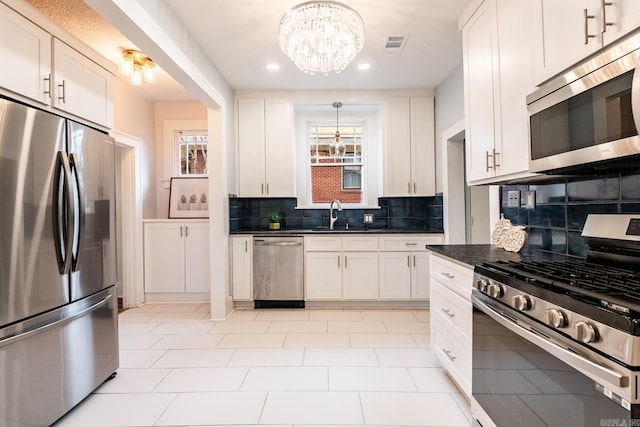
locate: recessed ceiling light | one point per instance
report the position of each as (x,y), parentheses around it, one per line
(272,66)
(364,66)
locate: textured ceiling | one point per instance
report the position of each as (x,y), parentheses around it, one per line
(79,19)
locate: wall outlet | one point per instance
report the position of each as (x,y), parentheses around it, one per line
(513,199)
(368,218)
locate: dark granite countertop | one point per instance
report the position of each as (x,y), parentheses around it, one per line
(472,255)
(339,231)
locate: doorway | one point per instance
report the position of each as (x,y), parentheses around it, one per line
(128,219)
(466,209)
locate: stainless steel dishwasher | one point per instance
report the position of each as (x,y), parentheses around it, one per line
(278,279)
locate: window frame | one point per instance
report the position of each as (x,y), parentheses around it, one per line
(370,117)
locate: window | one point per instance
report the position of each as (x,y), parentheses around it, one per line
(192,153)
(336,177)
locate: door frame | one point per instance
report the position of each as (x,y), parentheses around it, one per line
(453,184)
(132,258)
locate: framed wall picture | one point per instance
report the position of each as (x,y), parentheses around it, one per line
(189,198)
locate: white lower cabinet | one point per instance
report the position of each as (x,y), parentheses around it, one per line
(404,266)
(176,257)
(341,268)
(242,267)
(451,318)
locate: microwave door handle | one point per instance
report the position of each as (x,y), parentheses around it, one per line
(635,95)
(587,367)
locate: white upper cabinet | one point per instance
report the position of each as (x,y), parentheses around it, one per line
(265,148)
(25,50)
(409,147)
(568,31)
(81,87)
(497,78)
(42,68)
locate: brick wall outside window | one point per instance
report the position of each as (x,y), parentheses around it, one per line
(327,185)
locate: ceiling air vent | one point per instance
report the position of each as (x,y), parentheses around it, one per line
(395,44)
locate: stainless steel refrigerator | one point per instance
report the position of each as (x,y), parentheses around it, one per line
(58,303)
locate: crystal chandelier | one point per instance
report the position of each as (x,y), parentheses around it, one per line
(137,66)
(336,148)
(321,36)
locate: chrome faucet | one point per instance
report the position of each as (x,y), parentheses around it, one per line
(333,219)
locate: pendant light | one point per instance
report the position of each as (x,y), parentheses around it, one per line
(336,148)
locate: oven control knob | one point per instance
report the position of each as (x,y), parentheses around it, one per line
(586,332)
(522,302)
(495,290)
(556,318)
(482,285)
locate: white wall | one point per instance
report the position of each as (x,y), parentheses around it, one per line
(134,115)
(169,111)
(449,110)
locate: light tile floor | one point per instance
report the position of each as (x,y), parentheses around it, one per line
(282,368)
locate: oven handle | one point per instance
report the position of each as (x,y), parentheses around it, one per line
(587,367)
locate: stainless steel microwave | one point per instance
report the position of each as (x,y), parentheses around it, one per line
(588,118)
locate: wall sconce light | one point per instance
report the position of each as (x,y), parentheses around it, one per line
(137,66)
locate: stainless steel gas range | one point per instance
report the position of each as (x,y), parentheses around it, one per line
(557,342)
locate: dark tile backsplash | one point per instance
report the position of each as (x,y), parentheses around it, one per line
(562,208)
(394,213)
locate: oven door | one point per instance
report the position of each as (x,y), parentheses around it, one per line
(526,374)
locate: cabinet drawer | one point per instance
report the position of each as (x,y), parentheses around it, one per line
(409,242)
(453,352)
(455,309)
(323,244)
(454,276)
(361,244)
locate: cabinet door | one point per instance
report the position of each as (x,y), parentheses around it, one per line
(479,47)
(323,276)
(360,276)
(423,180)
(516,82)
(82,87)
(164,254)
(279,149)
(25,50)
(397,147)
(395,275)
(251,149)
(420,275)
(624,15)
(563,32)
(197,262)
(242,266)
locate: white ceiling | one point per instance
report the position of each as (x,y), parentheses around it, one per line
(241,36)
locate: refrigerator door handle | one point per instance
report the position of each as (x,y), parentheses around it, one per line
(62,209)
(79,239)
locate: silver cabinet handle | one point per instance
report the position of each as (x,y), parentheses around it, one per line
(409,187)
(448,354)
(448,312)
(414,261)
(603,7)
(246,246)
(180,231)
(48,84)
(495,159)
(409,261)
(63,86)
(345,261)
(267,188)
(411,244)
(186,231)
(414,188)
(338,261)
(587,36)
(447,275)
(486,160)
(262,188)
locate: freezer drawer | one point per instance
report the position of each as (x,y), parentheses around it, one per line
(278,279)
(53,361)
